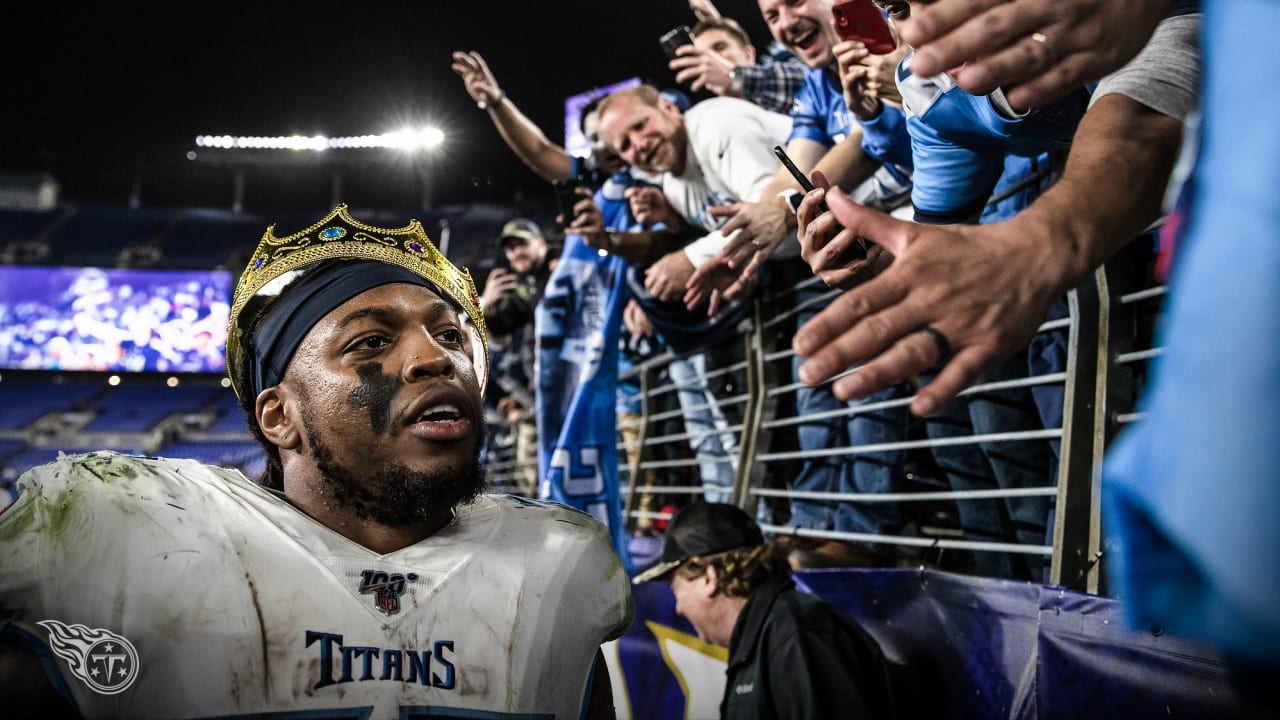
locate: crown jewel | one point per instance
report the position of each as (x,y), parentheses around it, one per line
(339,236)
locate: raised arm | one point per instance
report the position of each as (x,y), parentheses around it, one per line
(526,140)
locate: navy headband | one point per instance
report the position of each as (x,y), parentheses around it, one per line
(302,304)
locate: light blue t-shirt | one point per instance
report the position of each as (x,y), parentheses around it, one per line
(1191,492)
(820,114)
(966,152)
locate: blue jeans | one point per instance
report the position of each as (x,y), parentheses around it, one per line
(1046,354)
(877,472)
(992,465)
(713,445)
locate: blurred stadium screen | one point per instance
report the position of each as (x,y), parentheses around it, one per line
(108,319)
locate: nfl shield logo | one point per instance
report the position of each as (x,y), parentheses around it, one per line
(386,588)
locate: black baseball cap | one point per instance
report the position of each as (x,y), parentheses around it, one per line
(522,228)
(703,528)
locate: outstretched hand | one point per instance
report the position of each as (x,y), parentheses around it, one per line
(635,320)
(668,278)
(702,69)
(714,282)
(481,85)
(837,255)
(1037,50)
(986,288)
(752,231)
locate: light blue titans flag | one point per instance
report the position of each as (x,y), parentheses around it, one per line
(577,322)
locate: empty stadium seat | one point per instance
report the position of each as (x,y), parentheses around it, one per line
(95,234)
(140,409)
(204,239)
(24,402)
(228,417)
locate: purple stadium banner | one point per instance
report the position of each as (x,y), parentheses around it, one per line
(574,141)
(959,646)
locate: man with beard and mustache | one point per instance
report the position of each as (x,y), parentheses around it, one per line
(366,571)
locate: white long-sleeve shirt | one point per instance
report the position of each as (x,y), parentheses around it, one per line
(729,160)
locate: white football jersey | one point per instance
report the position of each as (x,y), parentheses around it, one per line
(169,588)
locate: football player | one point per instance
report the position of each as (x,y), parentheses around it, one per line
(367,573)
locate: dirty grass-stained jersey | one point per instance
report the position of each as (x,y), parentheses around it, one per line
(169,588)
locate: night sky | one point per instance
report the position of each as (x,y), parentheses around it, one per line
(109,99)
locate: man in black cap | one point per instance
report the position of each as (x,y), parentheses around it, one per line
(791,653)
(509,300)
(509,296)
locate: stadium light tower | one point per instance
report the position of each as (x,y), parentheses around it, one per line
(415,144)
(407,139)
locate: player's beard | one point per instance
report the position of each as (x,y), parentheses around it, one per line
(391,494)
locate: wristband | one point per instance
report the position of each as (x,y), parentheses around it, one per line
(492,101)
(735,82)
(792,198)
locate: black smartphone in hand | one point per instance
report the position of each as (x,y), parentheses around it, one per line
(800,177)
(858,249)
(566,190)
(675,38)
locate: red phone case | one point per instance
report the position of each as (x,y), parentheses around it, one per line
(861,20)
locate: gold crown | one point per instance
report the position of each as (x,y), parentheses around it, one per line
(340,236)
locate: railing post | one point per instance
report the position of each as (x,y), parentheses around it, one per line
(748,474)
(761,376)
(1073,537)
(1117,334)
(635,479)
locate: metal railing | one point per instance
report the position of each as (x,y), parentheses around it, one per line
(1107,328)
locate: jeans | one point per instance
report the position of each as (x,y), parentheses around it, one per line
(713,445)
(992,465)
(878,472)
(1046,354)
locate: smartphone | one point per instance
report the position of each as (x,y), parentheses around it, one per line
(858,249)
(567,196)
(674,38)
(861,20)
(805,183)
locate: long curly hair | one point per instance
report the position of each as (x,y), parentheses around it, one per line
(741,570)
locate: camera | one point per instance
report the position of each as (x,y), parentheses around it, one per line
(675,38)
(567,196)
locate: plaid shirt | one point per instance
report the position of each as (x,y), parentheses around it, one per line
(772,83)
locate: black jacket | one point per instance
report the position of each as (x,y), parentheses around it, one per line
(512,369)
(795,655)
(514,310)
